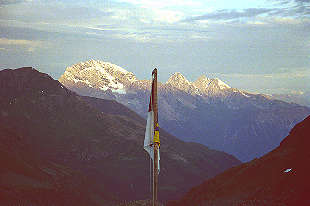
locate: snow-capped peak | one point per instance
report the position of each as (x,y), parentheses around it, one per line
(203,78)
(221,84)
(177,79)
(103,67)
(205,84)
(202,81)
(100,75)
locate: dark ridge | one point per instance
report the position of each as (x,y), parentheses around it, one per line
(98,139)
(280,177)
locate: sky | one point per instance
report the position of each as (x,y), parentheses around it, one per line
(256,45)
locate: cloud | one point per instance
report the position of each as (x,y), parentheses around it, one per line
(231,14)
(135,36)
(288,20)
(28,45)
(166,15)
(297,9)
(302,1)
(293,79)
(148,37)
(283,73)
(219,35)
(5,41)
(31,49)
(56,12)
(160,4)
(7,2)
(294,7)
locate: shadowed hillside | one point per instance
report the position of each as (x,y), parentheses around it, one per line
(280,177)
(27,179)
(100,139)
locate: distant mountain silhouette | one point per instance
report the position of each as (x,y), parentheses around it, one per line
(299,97)
(206,111)
(99,140)
(280,177)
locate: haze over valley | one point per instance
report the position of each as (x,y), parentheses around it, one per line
(206,111)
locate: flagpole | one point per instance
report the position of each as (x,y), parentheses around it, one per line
(156,144)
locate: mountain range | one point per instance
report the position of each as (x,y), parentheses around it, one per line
(85,150)
(206,111)
(280,177)
(299,97)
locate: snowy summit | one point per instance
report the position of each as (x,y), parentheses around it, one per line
(99,75)
(96,76)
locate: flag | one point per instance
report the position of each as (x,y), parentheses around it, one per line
(151,131)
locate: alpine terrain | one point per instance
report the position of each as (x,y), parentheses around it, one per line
(280,177)
(299,97)
(206,111)
(84,150)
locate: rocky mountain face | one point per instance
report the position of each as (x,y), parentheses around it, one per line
(99,140)
(206,111)
(280,177)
